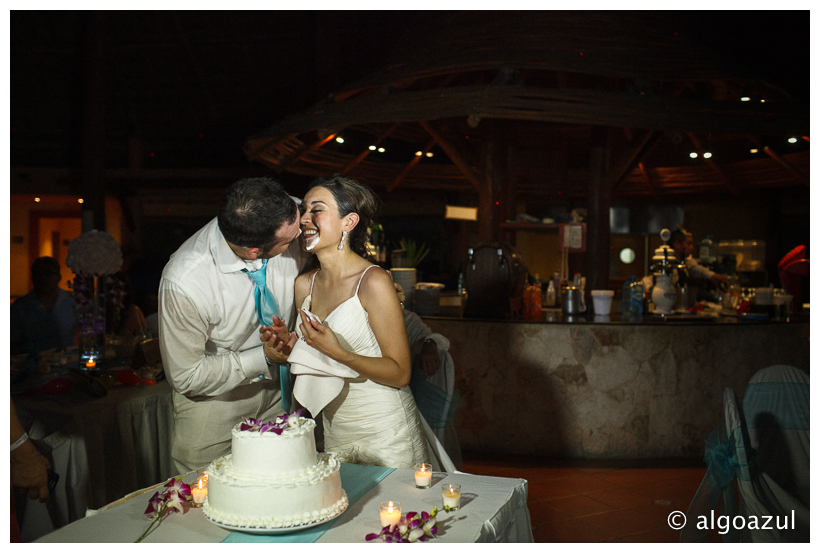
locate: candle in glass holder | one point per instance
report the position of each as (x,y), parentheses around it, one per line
(424,475)
(390,513)
(91,363)
(451,495)
(199,491)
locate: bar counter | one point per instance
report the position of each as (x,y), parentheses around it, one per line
(586,388)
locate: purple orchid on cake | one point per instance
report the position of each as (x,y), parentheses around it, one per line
(291,420)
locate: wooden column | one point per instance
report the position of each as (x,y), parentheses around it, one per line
(93,117)
(509,193)
(493,172)
(600,199)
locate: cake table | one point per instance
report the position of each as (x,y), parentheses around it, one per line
(492,510)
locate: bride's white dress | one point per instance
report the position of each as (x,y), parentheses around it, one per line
(369,423)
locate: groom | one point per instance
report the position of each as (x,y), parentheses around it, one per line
(214,290)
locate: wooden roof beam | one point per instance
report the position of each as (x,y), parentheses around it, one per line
(412,164)
(304,150)
(648,178)
(447,80)
(455,154)
(359,158)
(714,166)
(253,154)
(635,152)
(804,178)
(573,106)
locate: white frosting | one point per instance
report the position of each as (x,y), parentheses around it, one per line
(267,454)
(274,481)
(311,242)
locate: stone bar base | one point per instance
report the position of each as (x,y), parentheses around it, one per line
(605,391)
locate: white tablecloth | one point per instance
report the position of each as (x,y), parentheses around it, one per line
(102,448)
(493,510)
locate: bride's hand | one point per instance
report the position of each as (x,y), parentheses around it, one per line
(278,329)
(320,336)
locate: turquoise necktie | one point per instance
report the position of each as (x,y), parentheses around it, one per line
(266,308)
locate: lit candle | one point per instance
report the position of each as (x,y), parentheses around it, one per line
(91,363)
(199,492)
(390,513)
(424,475)
(451,495)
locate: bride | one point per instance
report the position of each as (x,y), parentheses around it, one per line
(374,419)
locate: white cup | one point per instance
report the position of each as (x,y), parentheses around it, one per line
(602,301)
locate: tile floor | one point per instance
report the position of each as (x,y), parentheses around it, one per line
(596,501)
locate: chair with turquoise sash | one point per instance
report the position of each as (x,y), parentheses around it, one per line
(765,449)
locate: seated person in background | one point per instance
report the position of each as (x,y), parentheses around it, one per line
(28,470)
(151,302)
(431,362)
(124,315)
(44,318)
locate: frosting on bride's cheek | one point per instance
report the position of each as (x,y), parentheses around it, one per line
(311,241)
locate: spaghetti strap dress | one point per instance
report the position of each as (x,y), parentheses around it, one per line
(369,423)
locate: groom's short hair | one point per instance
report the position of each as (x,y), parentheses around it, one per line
(252,210)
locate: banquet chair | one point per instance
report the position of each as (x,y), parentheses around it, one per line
(776,409)
(438,402)
(766,453)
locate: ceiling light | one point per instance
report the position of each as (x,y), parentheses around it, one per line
(418,154)
(36,199)
(80,201)
(707,155)
(745,99)
(693,155)
(381,150)
(762,101)
(753,151)
(792,140)
(372,148)
(429,154)
(340,140)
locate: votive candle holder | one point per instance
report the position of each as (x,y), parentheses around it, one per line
(451,495)
(423,475)
(390,513)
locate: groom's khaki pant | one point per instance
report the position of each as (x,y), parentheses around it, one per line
(202,424)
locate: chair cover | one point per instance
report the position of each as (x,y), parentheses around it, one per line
(776,409)
(767,453)
(438,402)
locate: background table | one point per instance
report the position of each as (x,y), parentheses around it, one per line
(492,510)
(102,448)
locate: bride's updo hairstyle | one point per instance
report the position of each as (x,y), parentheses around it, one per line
(353,197)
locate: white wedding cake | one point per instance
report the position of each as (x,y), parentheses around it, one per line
(274,478)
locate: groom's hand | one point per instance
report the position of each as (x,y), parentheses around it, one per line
(278,341)
(278,350)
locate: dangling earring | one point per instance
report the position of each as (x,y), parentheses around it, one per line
(342,242)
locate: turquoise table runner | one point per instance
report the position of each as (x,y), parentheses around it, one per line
(357,480)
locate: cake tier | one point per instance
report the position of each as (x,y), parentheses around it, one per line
(268,454)
(272,502)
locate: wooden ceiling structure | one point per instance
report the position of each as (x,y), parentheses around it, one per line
(538,83)
(554,104)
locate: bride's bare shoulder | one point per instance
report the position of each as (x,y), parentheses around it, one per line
(302,284)
(376,282)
